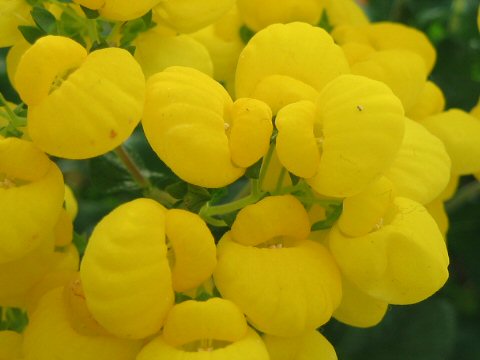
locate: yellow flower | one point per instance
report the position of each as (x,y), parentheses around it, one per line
(346,140)
(389,36)
(80,105)
(31,197)
(214,329)
(13,14)
(50,335)
(13,58)
(459,132)
(402,260)
(119,10)
(186,16)
(421,169)
(129,275)
(10,345)
(158,49)
(431,101)
(285,284)
(344,12)
(308,346)
(196,129)
(283,64)
(259,14)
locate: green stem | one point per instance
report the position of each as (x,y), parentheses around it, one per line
(209,211)
(14,120)
(114,32)
(265,165)
(280,180)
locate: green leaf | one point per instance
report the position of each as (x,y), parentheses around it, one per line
(31,33)
(178,189)
(181,297)
(324,22)
(253,172)
(80,241)
(44,19)
(333,213)
(13,319)
(90,13)
(196,197)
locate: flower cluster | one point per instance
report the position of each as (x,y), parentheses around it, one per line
(350,146)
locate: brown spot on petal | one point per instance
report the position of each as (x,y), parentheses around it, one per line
(113,134)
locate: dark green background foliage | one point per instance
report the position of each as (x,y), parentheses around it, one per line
(446,326)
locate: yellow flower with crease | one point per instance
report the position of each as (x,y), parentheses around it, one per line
(80,105)
(199,132)
(137,255)
(186,16)
(284,283)
(214,329)
(345,140)
(31,197)
(308,346)
(398,256)
(283,64)
(50,334)
(13,13)
(119,10)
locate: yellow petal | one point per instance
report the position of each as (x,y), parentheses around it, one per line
(10,345)
(31,197)
(187,16)
(311,345)
(13,59)
(421,169)
(403,262)
(258,15)
(14,13)
(459,132)
(403,71)
(431,101)
(123,10)
(250,130)
(342,12)
(270,218)
(359,309)
(185,125)
(300,51)
(193,246)
(437,209)
(282,291)
(63,230)
(125,272)
(91,4)
(297,144)
(251,347)
(362,124)
(214,319)
(156,51)
(71,204)
(93,110)
(50,335)
(364,211)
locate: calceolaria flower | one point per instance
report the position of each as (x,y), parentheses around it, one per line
(80,105)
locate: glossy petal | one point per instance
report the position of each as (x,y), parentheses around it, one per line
(311,345)
(403,262)
(184,123)
(295,51)
(421,169)
(362,124)
(125,272)
(459,132)
(193,249)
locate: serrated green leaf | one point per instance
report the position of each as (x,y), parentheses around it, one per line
(44,19)
(31,33)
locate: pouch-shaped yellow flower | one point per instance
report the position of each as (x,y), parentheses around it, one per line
(421,169)
(119,10)
(403,261)
(13,58)
(158,49)
(359,309)
(402,70)
(460,132)
(80,105)
(195,128)
(31,197)
(13,13)
(430,101)
(214,329)
(49,335)
(284,283)
(125,272)
(259,14)
(388,36)
(308,346)
(10,345)
(286,63)
(346,140)
(186,16)
(344,12)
